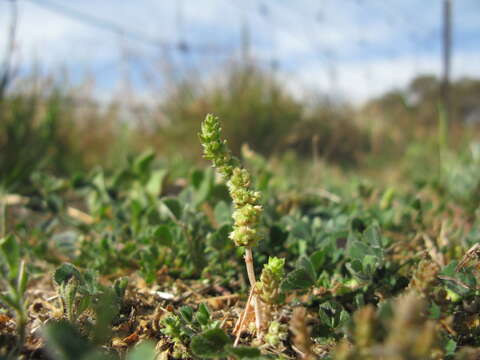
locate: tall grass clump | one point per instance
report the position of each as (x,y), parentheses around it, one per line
(259,109)
(30,138)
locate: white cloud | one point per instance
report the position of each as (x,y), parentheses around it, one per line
(358,81)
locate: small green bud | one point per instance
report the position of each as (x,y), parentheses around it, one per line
(240,178)
(247,215)
(277,332)
(245,236)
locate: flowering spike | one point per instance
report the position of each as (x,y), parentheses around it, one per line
(246,228)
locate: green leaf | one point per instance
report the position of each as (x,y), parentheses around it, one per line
(155,182)
(210,344)
(174,206)
(303,277)
(106,309)
(372,234)
(120,286)
(219,239)
(22,279)
(10,250)
(186,312)
(358,225)
(450,269)
(205,189)
(318,258)
(10,300)
(298,279)
(355,266)
(450,347)
(223,213)
(65,342)
(143,351)
(435,312)
(369,263)
(243,352)
(163,235)
(301,230)
(306,264)
(65,272)
(358,250)
(143,163)
(196,178)
(203,314)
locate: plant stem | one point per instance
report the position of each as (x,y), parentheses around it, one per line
(21,328)
(251,278)
(3,215)
(239,326)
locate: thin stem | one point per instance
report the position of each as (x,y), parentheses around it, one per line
(251,278)
(239,326)
(3,215)
(21,328)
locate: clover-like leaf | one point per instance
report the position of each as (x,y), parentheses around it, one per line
(303,277)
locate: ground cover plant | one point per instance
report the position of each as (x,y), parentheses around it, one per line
(144,263)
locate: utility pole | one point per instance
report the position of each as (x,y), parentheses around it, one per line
(447,56)
(245,41)
(181,42)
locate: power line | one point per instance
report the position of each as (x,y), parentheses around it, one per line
(264,15)
(97,22)
(117,29)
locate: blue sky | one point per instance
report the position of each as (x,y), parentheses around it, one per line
(352,48)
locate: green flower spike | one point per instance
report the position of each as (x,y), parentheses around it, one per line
(246,229)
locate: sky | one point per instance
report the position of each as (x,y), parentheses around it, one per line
(355,49)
